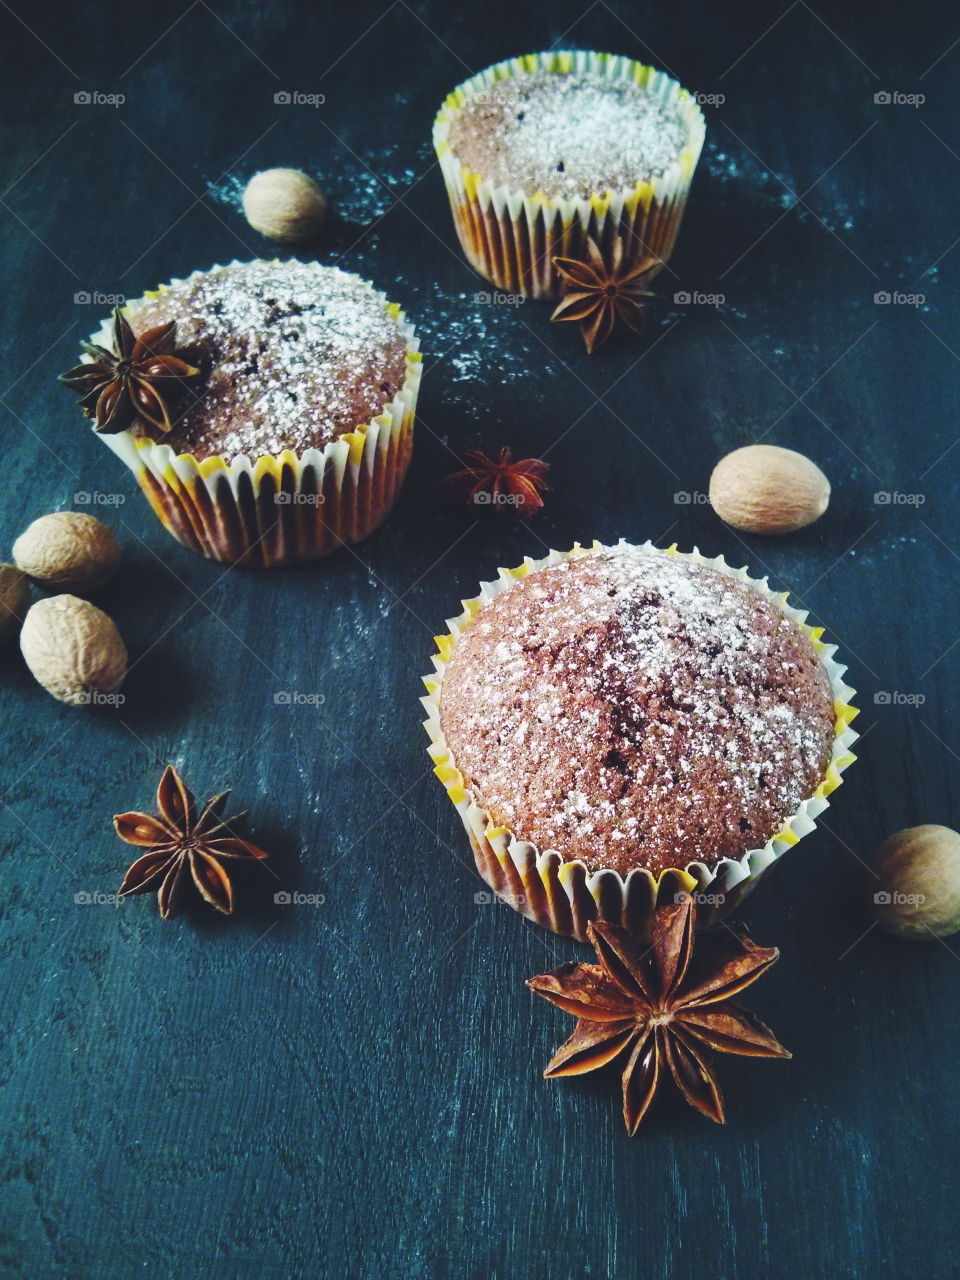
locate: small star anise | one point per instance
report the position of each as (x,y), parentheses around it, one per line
(183,848)
(502,485)
(135,380)
(600,295)
(662,1005)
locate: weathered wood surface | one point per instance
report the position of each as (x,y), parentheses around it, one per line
(354,1088)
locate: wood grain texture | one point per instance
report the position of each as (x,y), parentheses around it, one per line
(354,1089)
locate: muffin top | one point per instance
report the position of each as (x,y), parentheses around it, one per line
(293,355)
(634,709)
(567,133)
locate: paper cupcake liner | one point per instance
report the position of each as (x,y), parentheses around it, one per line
(511,238)
(279,509)
(566,896)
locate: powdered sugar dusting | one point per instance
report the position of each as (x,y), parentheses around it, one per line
(294,355)
(567,134)
(635,709)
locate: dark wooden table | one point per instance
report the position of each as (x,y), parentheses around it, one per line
(353,1088)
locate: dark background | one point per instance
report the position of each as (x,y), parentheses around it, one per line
(354,1088)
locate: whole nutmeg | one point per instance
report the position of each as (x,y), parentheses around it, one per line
(14,597)
(916,889)
(68,550)
(765,489)
(73,649)
(285,204)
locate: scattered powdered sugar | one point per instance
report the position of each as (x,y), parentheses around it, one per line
(229,191)
(567,134)
(635,709)
(360,193)
(294,354)
(745,172)
(474,339)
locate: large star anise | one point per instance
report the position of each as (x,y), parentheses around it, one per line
(135,380)
(504,485)
(662,1005)
(601,294)
(183,849)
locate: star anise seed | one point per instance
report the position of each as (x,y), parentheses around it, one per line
(503,485)
(600,294)
(135,380)
(183,849)
(665,1006)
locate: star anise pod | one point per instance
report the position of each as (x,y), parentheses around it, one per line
(503,485)
(183,849)
(135,380)
(600,294)
(663,1006)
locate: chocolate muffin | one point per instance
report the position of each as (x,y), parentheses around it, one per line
(296,435)
(540,152)
(633,709)
(294,354)
(572,135)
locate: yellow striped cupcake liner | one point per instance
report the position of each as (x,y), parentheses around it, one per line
(511,237)
(275,510)
(566,896)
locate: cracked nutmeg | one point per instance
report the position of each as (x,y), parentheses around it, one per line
(665,1006)
(138,379)
(503,484)
(184,851)
(602,295)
